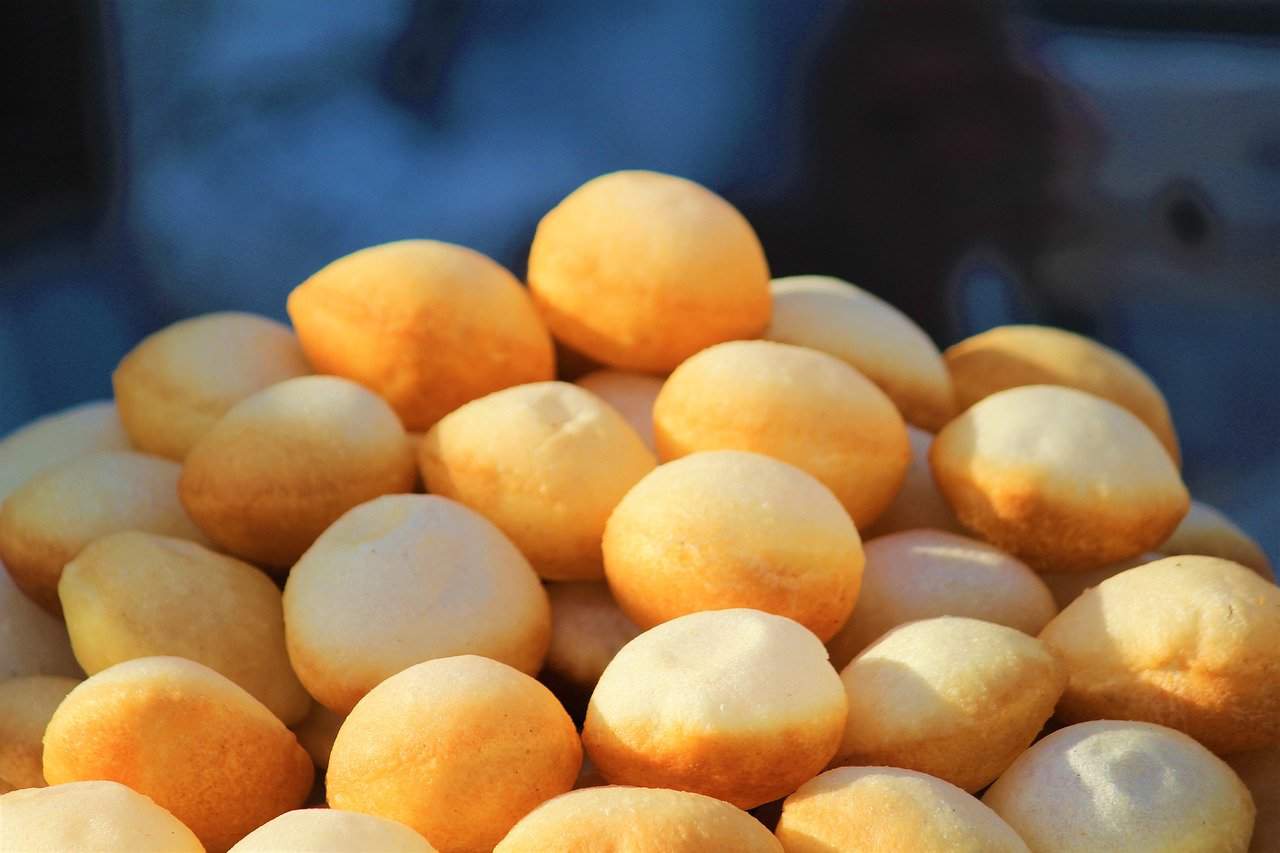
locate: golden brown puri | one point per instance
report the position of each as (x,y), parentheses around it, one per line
(795,404)
(918,504)
(952,697)
(173,386)
(1061,479)
(1260,772)
(881,342)
(728,529)
(90,817)
(26,704)
(135,595)
(587,630)
(1192,643)
(46,523)
(1207,532)
(640,270)
(739,705)
(427,325)
(458,748)
(316,733)
(920,574)
(890,810)
(285,463)
(619,819)
(545,462)
(1011,356)
(188,738)
(1068,586)
(332,831)
(57,438)
(632,394)
(404,579)
(31,641)
(1123,787)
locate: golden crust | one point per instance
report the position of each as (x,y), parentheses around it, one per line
(91,817)
(26,704)
(50,441)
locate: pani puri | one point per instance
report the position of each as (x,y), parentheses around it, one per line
(1190,642)
(1059,478)
(173,386)
(1068,586)
(426,325)
(136,595)
(90,817)
(952,697)
(1260,772)
(1011,356)
(188,738)
(332,831)
(882,343)
(920,574)
(918,504)
(795,404)
(640,270)
(1123,787)
(1207,532)
(738,705)
(587,630)
(888,809)
(404,579)
(47,522)
(458,748)
(26,704)
(31,641)
(285,463)
(632,394)
(637,820)
(49,441)
(316,733)
(725,529)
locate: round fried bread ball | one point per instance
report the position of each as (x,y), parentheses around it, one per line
(47,522)
(795,404)
(1011,356)
(26,704)
(887,810)
(1068,586)
(1123,787)
(637,820)
(332,831)
(728,529)
(587,630)
(174,385)
(952,697)
(1189,642)
(405,579)
(1059,478)
(134,595)
(1259,769)
(188,738)
(918,504)
(739,705)
(459,749)
(546,462)
(920,574)
(31,641)
(632,394)
(317,731)
(884,344)
(90,817)
(1207,532)
(640,270)
(283,464)
(49,441)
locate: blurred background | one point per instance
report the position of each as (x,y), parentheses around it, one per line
(1111,167)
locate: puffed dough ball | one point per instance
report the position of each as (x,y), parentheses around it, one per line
(545,462)
(405,579)
(1062,479)
(952,697)
(174,385)
(26,704)
(637,820)
(54,439)
(31,641)
(795,404)
(920,574)
(47,522)
(1207,532)
(1260,772)
(283,464)
(187,737)
(735,704)
(332,831)
(1011,356)
(134,595)
(588,628)
(918,504)
(317,732)
(90,817)
(1123,787)
(885,345)
(459,749)
(726,529)
(427,325)
(887,809)
(1192,643)
(632,394)
(1068,586)
(640,270)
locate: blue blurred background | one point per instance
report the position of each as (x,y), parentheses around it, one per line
(1112,167)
